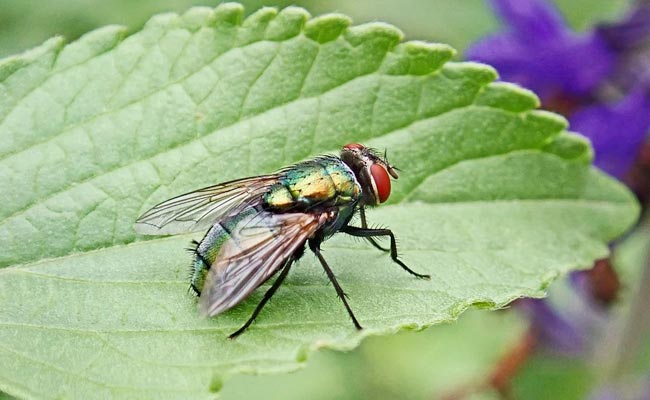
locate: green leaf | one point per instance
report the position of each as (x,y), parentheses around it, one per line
(546,376)
(5,396)
(495,200)
(435,363)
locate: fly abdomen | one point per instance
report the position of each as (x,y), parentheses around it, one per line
(204,257)
(199,272)
(206,252)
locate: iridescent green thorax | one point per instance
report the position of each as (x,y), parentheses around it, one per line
(323,181)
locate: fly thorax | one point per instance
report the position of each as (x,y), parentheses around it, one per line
(321,182)
(345,183)
(279,197)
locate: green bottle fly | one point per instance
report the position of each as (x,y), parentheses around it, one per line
(259,226)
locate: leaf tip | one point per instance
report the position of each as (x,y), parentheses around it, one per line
(374,30)
(571,146)
(418,58)
(228,13)
(288,23)
(262,16)
(508,96)
(482,73)
(416,47)
(197,17)
(550,119)
(162,21)
(326,28)
(90,45)
(11,64)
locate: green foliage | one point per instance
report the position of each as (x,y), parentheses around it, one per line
(546,377)
(495,199)
(5,396)
(408,365)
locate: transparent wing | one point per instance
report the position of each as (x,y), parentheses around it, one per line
(259,246)
(199,210)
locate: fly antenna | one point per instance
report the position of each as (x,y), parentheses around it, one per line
(387,163)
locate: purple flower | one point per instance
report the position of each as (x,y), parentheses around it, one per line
(600,79)
(538,51)
(616,130)
(566,322)
(631,32)
(553,331)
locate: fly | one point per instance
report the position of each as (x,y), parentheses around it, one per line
(259,226)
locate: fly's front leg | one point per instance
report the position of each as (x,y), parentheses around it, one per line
(369,233)
(364,225)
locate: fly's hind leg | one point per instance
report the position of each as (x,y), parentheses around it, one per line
(267,296)
(314,245)
(369,233)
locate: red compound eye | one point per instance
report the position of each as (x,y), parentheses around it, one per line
(382,181)
(354,146)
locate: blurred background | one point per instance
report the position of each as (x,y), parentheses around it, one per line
(27,23)
(587,59)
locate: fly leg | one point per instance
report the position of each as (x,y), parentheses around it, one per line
(364,225)
(314,245)
(267,296)
(368,233)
